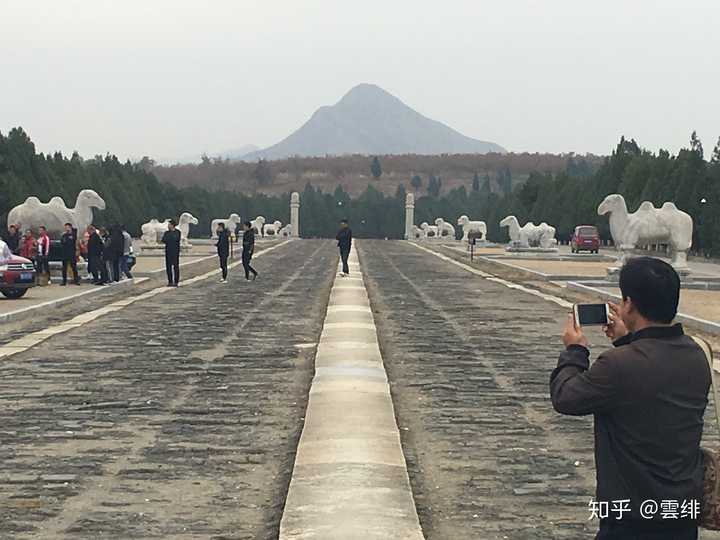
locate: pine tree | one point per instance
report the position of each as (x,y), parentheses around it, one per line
(416,182)
(476,183)
(375,168)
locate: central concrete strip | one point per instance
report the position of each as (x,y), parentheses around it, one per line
(350,478)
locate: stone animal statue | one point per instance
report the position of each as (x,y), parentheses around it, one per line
(230,223)
(477,227)
(272,229)
(258,223)
(529,235)
(286,231)
(153,230)
(54,214)
(547,236)
(429,231)
(445,229)
(648,225)
(417,233)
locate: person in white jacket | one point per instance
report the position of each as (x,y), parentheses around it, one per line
(5,253)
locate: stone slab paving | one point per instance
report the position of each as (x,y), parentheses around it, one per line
(350,481)
(469,362)
(175,417)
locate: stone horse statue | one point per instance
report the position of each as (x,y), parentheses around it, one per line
(445,229)
(272,229)
(53,215)
(477,227)
(153,230)
(230,223)
(529,235)
(648,225)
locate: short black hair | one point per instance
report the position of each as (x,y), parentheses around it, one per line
(247,224)
(69,225)
(343,221)
(654,287)
(221,224)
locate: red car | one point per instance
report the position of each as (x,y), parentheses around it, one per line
(585,238)
(17,275)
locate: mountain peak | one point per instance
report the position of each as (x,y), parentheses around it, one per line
(369,120)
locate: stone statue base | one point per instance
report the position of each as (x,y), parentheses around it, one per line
(613,274)
(519,249)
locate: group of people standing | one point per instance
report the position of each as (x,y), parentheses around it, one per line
(108,252)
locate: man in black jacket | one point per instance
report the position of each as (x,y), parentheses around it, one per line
(648,395)
(248,250)
(171,239)
(68,244)
(12,238)
(223,250)
(344,240)
(95,257)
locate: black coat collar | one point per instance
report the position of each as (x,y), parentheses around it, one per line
(659,332)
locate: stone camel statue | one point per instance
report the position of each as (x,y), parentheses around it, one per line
(54,214)
(648,225)
(153,230)
(529,235)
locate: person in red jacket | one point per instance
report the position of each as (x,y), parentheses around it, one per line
(28,246)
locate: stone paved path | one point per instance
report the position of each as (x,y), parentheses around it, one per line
(172,418)
(469,363)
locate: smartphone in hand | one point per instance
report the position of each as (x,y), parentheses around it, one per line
(591,314)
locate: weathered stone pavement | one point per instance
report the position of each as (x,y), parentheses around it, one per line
(172,418)
(469,362)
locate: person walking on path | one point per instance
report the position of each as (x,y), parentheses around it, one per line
(248,249)
(68,243)
(648,395)
(96,264)
(43,257)
(28,246)
(344,240)
(117,245)
(127,252)
(171,238)
(223,250)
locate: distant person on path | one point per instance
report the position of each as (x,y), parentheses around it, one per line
(68,244)
(248,250)
(648,395)
(117,246)
(223,250)
(43,256)
(12,239)
(171,239)
(344,240)
(127,252)
(96,264)
(28,247)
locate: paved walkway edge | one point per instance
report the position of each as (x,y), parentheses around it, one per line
(350,478)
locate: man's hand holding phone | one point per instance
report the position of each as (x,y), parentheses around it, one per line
(573,334)
(615,329)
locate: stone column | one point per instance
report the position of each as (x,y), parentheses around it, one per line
(295,214)
(409,216)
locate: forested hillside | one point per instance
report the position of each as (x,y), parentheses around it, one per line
(356,172)
(563,198)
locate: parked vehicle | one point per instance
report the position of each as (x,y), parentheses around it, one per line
(17,275)
(585,238)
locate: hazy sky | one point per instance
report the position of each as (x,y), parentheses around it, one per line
(174,78)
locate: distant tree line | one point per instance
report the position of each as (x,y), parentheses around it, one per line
(565,198)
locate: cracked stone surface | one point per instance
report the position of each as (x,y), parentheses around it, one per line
(469,363)
(176,417)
